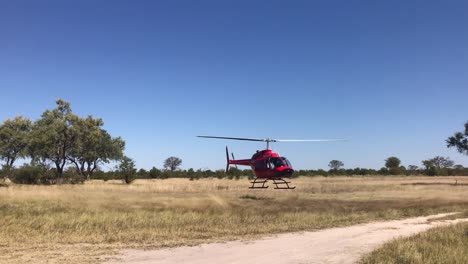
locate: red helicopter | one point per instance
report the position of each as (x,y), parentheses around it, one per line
(267,164)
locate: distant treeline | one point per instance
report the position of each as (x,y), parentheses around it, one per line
(63,147)
(235,173)
(28,174)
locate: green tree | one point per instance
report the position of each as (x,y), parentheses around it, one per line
(93,145)
(14,140)
(393,165)
(154,173)
(392,162)
(383,171)
(172,163)
(142,174)
(127,170)
(438,165)
(335,165)
(53,137)
(412,170)
(459,141)
(438,162)
(191,174)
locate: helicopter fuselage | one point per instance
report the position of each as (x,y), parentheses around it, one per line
(267,164)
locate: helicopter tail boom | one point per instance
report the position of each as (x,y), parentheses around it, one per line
(245,162)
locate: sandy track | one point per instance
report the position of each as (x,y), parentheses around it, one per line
(335,245)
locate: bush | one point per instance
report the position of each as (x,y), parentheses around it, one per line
(3,174)
(28,174)
(101,175)
(71,176)
(128,177)
(127,170)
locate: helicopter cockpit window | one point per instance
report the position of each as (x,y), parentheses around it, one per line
(286,161)
(276,163)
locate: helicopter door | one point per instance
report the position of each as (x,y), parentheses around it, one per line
(270,168)
(261,169)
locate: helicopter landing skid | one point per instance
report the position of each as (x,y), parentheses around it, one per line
(257,182)
(279,183)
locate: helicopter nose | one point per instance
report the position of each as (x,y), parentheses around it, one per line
(288,172)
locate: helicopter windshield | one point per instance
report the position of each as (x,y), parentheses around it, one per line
(277,162)
(286,161)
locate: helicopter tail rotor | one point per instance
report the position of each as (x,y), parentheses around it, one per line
(227,159)
(232,155)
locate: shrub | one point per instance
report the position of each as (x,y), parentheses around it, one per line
(28,174)
(127,170)
(71,176)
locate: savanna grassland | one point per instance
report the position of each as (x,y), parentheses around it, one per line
(90,222)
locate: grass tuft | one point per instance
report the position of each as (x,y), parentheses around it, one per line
(442,245)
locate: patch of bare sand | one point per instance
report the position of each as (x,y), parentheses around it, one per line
(57,253)
(335,245)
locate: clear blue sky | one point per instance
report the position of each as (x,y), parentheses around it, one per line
(389,75)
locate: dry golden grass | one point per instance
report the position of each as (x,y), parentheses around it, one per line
(81,223)
(442,245)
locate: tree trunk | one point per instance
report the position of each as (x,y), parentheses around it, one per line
(88,171)
(92,165)
(76,165)
(82,168)
(10,162)
(59,164)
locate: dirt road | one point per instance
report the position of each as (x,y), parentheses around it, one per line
(335,245)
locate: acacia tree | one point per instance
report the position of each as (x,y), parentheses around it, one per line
(438,162)
(127,169)
(172,163)
(14,139)
(335,165)
(393,165)
(459,141)
(438,165)
(392,162)
(93,145)
(60,136)
(53,136)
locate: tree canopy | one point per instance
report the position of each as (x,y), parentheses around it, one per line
(59,137)
(459,141)
(53,136)
(14,139)
(438,162)
(393,166)
(93,145)
(127,169)
(392,162)
(172,163)
(335,164)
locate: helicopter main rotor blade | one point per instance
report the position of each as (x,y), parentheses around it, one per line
(309,140)
(234,138)
(276,140)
